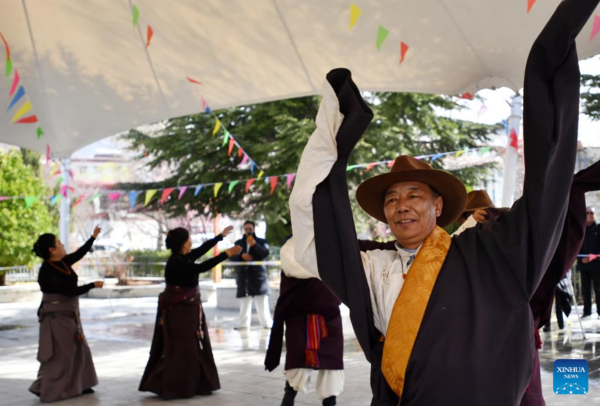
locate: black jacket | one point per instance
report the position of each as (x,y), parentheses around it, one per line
(252,280)
(591,245)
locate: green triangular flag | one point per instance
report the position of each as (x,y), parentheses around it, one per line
(29,200)
(382,34)
(485,150)
(225,138)
(232,185)
(136,15)
(349,168)
(40,132)
(8,67)
(96,195)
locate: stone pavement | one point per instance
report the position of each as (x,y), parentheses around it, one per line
(119,334)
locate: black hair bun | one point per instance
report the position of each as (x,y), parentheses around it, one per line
(42,246)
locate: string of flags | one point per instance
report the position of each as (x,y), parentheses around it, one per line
(136,18)
(271,181)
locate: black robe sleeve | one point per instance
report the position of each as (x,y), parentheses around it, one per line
(204,248)
(53,281)
(80,253)
(260,250)
(208,264)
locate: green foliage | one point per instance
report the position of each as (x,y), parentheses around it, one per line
(274,135)
(20,226)
(590,96)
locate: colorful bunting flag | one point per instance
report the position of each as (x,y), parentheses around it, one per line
(244,159)
(217,126)
(436,157)
(232,185)
(485,150)
(5,47)
(249,183)
(273,180)
(482,111)
(208,110)
(132,198)
(240,152)
(149,36)
(114,196)
(252,164)
(47,153)
(136,15)
(217,187)
(181,192)
(94,197)
(355,12)
(231,144)
(29,200)
(79,199)
(15,83)
(40,132)
(20,93)
(369,167)
(260,174)
(193,80)
(203,104)
(382,34)
(225,137)
(530,4)
(24,109)
(403,50)
(149,195)
(459,153)
(514,139)
(595,28)
(166,192)
(8,67)
(198,189)
(290,179)
(28,120)
(390,164)
(55,199)
(467,96)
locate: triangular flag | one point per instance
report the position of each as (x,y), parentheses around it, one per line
(198,189)
(486,150)
(15,83)
(482,111)
(217,187)
(240,152)
(59,180)
(47,153)
(203,104)
(273,181)
(94,197)
(390,164)
(24,109)
(436,156)
(29,200)
(114,196)
(231,144)
(136,15)
(244,159)
(382,34)
(28,120)
(3,198)
(54,169)
(530,4)
(355,12)
(595,28)
(252,167)
(181,192)
(249,183)
(79,199)
(166,192)
(232,185)
(8,67)
(369,167)
(514,139)
(217,126)
(467,96)
(225,137)
(20,93)
(63,190)
(149,36)
(290,179)
(40,132)
(260,174)
(207,110)
(5,47)
(132,198)
(149,195)
(349,168)
(459,153)
(403,50)
(55,199)
(193,80)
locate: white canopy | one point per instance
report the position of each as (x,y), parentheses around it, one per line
(88,75)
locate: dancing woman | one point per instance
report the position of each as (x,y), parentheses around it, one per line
(66,369)
(181,363)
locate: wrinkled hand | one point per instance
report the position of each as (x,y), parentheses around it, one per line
(247,257)
(99,284)
(227,231)
(234,250)
(96,232)
(251,241)
(480,215)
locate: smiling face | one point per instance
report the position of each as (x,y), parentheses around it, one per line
(411,210)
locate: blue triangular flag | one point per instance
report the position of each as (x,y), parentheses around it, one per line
(198,189)
(20,93)
(505,124)
(52,201)
(252,168)
(208,110)
(436,156)
(132,198)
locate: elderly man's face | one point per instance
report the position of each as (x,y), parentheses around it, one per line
(411,210)
(591,214)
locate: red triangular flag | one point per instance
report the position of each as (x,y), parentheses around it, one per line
(231,144)
(467,96)
(79,199)
(193,80)
(514,139)
(403,49)
(530,4)
(240,152)
(390,164)
(369,167)
(273,181)
(249,183)
(27,120)
(47,153)
(166,192)
(149,36)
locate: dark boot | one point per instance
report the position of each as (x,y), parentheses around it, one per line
(330,401)
(289,396)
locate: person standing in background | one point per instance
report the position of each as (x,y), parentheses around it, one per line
(590,270)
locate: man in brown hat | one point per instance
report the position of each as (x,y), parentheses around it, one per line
(478,201)
(427,315)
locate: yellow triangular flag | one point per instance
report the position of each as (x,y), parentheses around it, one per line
(22,111)
(459,153)
(149,195)
(260,174)
(217,126)
(355,12)
(217,187)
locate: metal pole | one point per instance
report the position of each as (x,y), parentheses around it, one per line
(65,206)
(511,156)
(572,293)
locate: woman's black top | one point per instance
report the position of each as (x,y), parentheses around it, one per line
(52,280)
(181,269)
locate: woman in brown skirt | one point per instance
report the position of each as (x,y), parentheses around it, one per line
(66,369)
(181,363)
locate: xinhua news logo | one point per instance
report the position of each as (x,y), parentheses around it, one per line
(571,377)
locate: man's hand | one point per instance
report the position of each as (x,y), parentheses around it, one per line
(234,251)
(96,232)
(480,215)
(251,241)
(227,231)
(247,257)
(99,284)
(585,260)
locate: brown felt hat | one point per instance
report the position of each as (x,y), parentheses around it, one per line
(478,199)
(371,193)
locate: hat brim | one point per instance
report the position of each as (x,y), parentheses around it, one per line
(471,210)
(371,193)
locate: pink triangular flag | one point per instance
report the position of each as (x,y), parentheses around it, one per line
(596,28)
(244,159)
(114,196)
(15,83)
(203,103)
(63,190)
(47,153)
(403,49)
(290,179)
(390,164)
(182,191)
(369,167)
(593,257)
(273,181)
(249,183)
(482,111)
(166,192)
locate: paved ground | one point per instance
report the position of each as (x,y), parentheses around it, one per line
(119,336)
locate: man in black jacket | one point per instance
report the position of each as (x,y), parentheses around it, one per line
(590,270)
(252,280)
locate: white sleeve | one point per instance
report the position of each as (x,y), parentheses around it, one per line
(319,156)
(471,222)
(290,266)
